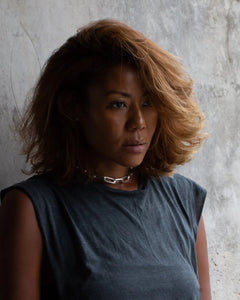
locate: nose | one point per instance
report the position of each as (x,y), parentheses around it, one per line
(136,120)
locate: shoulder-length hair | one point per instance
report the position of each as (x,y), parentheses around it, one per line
(53,140)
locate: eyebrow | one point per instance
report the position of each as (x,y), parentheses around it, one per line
(124,94)
(118,92)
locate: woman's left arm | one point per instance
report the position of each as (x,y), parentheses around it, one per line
(202,261)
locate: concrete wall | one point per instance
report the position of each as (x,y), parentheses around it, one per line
(205,34)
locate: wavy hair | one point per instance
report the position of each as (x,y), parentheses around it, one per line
(53,140)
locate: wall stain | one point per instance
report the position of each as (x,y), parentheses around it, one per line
(31,41)
(229,27)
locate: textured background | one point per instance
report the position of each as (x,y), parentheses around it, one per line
(205,34)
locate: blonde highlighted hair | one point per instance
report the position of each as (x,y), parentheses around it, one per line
(53,140)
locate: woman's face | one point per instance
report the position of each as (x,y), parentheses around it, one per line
(120,120)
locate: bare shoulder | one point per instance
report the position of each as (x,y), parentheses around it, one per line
(17,213)
(202,260)
(16,201)
(21,247)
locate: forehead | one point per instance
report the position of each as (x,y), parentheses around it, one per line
(120,77)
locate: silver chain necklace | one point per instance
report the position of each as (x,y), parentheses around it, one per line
(112,180)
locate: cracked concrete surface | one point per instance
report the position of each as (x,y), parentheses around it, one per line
(205,34)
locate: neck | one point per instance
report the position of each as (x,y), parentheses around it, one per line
(112,171)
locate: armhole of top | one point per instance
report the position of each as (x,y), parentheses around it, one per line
(12,188)
(29,195)
(199,196)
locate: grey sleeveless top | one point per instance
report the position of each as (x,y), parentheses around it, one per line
(108,244)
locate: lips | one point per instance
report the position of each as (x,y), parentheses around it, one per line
(136,146)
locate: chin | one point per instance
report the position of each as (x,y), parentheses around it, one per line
(133,164)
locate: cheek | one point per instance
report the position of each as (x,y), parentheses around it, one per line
(90,130)
(153,121)
(99,129)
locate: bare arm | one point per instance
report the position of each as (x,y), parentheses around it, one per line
(20,248)
(202,260)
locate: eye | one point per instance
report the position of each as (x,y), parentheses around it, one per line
(118,104)
(147,103)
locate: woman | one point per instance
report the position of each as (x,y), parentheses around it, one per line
(111,117)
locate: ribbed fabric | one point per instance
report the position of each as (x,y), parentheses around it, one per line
(108,244)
